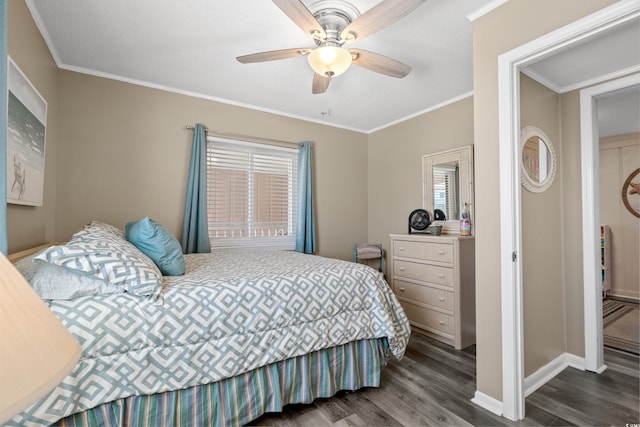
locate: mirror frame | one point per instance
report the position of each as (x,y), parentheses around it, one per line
(464,156)
(529,184)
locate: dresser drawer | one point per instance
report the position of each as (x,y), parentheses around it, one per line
(428,251)
(429,318)
(424,294)
(409,249)
(442,252)
(423,272)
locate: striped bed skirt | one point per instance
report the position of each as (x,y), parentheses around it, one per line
(245,397)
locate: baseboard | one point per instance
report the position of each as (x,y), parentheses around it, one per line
(550,370)
(534,381)
(601,369)
(487,402)
(624,298)
(576,361)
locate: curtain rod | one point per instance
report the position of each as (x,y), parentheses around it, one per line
(249,138)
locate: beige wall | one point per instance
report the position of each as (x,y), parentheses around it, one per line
(27,225)
(506,27)
(124,153)
(570,175)
(395,164)
(619,157)
(543,293)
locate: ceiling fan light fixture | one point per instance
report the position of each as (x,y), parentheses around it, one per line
(329,60)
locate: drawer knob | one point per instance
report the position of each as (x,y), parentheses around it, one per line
(401,248)
(401,268)
(402,289)
(440,252)
(442,322)
(441,276)
(441,299)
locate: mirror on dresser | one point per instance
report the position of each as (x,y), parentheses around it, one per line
(447,182)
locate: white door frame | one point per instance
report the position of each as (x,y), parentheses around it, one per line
(509,66)
(589,136)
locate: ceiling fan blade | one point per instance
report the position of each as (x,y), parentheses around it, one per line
(379,63)
(320,83)
(378,17)
(273,55)
(302,17)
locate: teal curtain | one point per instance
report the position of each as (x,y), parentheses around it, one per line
(3,126)
(306,226)
(195,233)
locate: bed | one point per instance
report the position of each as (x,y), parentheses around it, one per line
(239,334)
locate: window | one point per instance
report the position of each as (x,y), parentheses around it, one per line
(445,190)
(251,194)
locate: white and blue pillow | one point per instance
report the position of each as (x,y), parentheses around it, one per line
(98,226)
(100,250)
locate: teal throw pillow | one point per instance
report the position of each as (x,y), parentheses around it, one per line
(157,242)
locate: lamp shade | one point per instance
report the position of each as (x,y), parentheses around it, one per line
(329,60)
(36,350)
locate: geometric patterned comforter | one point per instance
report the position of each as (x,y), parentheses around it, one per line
(230,313)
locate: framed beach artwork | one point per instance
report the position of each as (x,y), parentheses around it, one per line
(26,124)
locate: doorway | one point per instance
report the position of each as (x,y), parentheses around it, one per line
(594,353)
(509,67)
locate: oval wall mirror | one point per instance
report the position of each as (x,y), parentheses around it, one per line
(538,162)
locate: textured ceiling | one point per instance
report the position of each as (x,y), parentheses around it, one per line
(190,47)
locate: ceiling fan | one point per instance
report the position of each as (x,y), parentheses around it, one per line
(333,24)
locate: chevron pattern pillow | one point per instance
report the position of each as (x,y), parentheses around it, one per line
(103,253)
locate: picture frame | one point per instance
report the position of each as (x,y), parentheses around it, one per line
(26,139)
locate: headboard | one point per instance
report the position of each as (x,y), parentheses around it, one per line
(17,256)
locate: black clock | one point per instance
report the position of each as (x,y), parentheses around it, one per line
(419,220)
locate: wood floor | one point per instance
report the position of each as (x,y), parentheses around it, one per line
(433,386)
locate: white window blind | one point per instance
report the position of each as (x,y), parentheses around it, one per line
(252,194)
(445,187)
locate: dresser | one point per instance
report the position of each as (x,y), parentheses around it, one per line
(434,280)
